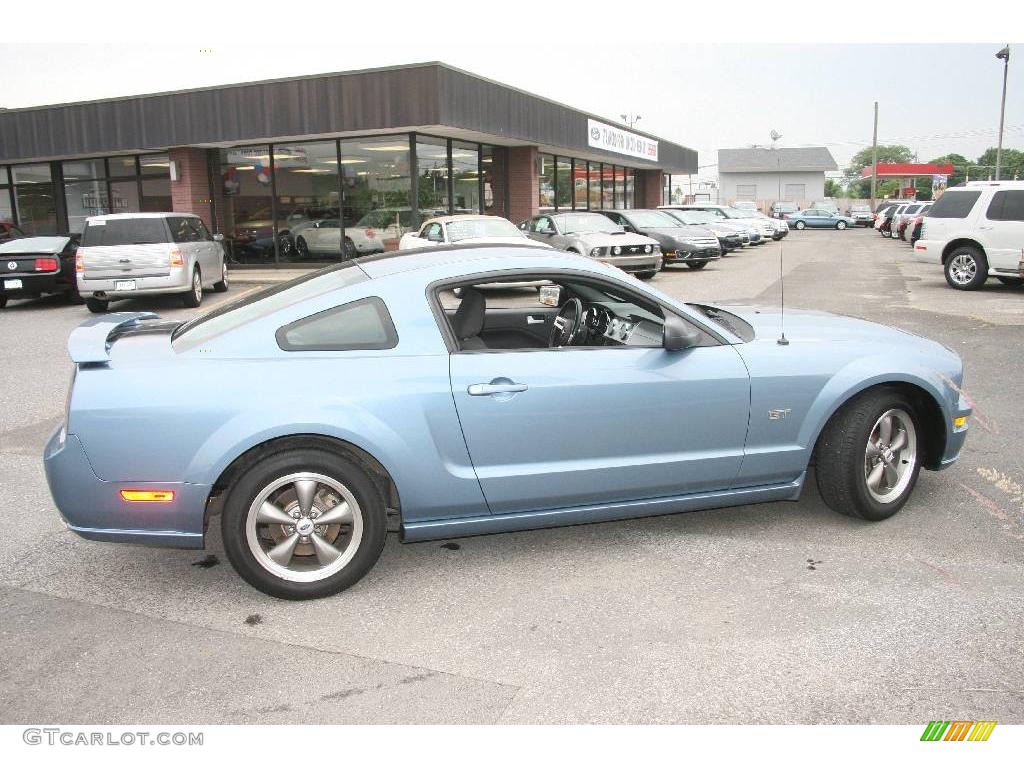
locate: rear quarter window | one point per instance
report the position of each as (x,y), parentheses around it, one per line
(1006,205)
(954,205)
(142,231)
(362,324)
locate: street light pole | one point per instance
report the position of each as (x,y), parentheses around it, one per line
(874,159)
(1005,56)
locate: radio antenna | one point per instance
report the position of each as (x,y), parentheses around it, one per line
(782,302)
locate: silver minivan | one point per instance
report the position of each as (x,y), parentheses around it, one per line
(136,254)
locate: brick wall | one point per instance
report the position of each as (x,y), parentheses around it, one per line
(191,192)
(648,188)
(522,177)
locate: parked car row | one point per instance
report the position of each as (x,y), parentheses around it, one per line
(893,216)
(974,231)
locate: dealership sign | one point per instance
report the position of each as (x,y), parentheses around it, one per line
(613,139)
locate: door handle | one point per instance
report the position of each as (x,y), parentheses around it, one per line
(479,390)
(532,320)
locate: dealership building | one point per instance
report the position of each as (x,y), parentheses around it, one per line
(371,151)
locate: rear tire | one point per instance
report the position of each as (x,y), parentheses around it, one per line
(966,269)
(97,306)
(864,469)
(3,302)
(646,275)
(696,264)
(344,551)
(194,297)
(222,285)
(800,225)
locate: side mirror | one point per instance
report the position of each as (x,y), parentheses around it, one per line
(219,238)
(679,334)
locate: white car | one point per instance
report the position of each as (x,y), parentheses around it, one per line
(976,231)
(123,255)
(761,224)
(465,229)
(745,205)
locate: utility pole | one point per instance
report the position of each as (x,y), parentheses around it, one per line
(874,160)
(1005,56)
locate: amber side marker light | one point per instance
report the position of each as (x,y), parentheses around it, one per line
(157,496)
(960,421)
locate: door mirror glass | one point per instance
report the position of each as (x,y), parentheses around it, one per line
(551,295)
(679,334)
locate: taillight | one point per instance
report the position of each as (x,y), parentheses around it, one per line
(177,258)
(79,261)
(47,265)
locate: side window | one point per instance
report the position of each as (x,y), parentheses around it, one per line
(954,204)
(434,233)
(362,324)
(1006,205)
(182,229)
(202,233)
(542,224)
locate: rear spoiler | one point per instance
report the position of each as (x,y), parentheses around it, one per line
(90,342)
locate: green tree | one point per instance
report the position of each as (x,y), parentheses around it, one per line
(1012,164)
(887,153)
(833,188)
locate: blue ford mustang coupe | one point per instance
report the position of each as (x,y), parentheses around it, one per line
(313,415)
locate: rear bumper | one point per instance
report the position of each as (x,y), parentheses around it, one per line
(179,280)
(31,284)
(93,508)
(928,251)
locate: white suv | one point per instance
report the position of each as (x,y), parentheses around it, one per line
(133,254)
(976,231)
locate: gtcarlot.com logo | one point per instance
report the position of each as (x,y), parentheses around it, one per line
(958,730)
(71,738)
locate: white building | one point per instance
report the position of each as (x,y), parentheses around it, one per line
(763,175)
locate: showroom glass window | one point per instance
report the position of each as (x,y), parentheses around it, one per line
(546,182)
(563,183)
(494,165)
(247,214)
(306,185)
(85,191)
(34,199)
(579,183)
(594,186)
(431,177)
(630,188)
(377,186)
(155,173)
(6,200)
(607,186)
(466,177)
(123,180)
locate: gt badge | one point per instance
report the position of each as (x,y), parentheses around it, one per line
(779,413)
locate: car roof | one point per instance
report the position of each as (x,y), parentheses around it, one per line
(482,257)
(463,217)
(159,215)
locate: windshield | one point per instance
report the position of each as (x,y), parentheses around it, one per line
(587,222)
(652,219)
(735,213)
(860,208)
(464,229)
(692,217)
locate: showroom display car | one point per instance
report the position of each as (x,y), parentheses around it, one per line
(383,400)
(591,234)
(818,219)
(32,266)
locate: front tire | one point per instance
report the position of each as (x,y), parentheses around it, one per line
(840,225)
(869,457)
(696,264)
(271,531)
(966,269)
(800,225)
(194,297)
(97,306)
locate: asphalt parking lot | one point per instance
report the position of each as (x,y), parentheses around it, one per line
(779,613)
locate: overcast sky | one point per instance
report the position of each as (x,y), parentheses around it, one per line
(933,98)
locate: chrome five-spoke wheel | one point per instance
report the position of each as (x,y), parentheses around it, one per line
(890,456)
(304,527)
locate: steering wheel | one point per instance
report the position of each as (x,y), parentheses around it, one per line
(567,324)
